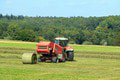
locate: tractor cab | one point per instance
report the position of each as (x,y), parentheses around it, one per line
(61,41)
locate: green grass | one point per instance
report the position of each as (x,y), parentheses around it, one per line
(17,44)
(91,63)
(95,48)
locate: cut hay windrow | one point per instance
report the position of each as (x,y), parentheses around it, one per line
(100,57)
(13,50)
(11,57)
(102,53)
(16,48)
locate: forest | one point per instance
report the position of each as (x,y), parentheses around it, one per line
(79,30)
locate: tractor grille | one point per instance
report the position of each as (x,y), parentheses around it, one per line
(42,47)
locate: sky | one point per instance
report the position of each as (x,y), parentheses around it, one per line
(60,8)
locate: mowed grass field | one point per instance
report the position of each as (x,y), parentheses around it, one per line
(90,63)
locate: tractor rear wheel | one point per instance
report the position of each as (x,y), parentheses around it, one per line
(70,56)
(29,58)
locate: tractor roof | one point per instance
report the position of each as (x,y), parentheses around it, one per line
(61,38)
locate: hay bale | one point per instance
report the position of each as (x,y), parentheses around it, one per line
(29,58)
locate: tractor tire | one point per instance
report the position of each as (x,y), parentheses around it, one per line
(55,60)
(29,58)
(70,56)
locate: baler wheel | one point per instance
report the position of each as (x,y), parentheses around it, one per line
(29,58)
(55,60)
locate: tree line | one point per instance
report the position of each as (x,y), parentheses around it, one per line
(80,30)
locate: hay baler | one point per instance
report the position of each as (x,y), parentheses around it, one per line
(56,51)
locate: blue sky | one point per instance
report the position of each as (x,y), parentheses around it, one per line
(64,8)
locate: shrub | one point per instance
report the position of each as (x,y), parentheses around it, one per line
(8,38)
(103,42)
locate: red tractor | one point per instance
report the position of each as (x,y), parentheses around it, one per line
(56,51)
